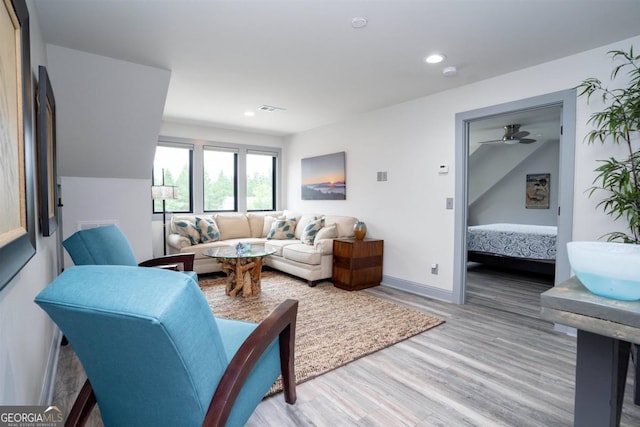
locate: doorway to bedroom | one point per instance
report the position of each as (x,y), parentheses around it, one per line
(514,188)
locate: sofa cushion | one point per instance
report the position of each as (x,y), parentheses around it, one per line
(302,253)
(233,226)
(311,230)
(256,224)
(344,224)
(187,229)
(282,229)
(302,222)
(279,245)
(208,229)
(266,226)
(329,231)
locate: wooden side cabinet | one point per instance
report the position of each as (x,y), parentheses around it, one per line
(357,264)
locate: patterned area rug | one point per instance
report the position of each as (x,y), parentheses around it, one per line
(334,327)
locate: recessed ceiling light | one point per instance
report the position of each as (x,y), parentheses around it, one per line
(249,113)
(359,22)
(435,58)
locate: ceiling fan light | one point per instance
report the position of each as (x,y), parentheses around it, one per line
(511,141)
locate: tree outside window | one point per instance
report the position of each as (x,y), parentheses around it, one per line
(260,182)
(175,163)
(220,189)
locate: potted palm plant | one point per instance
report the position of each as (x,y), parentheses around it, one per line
(618,123)
(611,268)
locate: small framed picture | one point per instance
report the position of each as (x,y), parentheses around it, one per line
(537,191)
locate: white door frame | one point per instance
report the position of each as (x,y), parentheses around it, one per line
(567,101)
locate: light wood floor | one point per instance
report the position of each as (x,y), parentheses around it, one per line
(493,363)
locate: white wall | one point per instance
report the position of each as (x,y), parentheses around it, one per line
(26,332)
(410,140)
(109,113)
(127,201)
(505,201)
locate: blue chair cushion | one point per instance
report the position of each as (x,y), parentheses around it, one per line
(146,338)
(102,245)
(266,371)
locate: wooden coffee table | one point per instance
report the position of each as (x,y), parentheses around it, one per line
(243,269)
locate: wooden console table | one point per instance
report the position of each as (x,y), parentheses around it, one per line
(606,329)
(357,264)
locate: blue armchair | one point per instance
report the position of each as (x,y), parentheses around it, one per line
(155,354)
(109,246)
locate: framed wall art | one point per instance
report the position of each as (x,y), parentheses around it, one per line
(47,172)
(324,177)
(537,191)
(17,204)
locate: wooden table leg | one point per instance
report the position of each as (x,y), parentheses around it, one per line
(243,276)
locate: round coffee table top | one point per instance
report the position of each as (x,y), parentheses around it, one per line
(230,252)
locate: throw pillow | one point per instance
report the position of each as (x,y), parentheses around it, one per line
(282,229)
(268,220)
(311,230)
(188,229)
(208,229)
(327,232)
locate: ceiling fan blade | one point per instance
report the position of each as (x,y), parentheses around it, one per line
(527,141)
(495,141)
(520,134)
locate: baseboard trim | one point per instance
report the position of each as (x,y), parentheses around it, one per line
(417,288)
(49,380)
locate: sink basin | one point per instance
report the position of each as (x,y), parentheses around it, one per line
(607,269)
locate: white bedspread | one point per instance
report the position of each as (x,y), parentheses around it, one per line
(514,240)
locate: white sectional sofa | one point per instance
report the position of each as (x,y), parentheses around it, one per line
(305,254)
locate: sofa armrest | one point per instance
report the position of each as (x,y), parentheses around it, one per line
(177,241)
(324,246)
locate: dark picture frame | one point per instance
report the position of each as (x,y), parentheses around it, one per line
(17,202)
(324,177)
(47,170)
(537,191)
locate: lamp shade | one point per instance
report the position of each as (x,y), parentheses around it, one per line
(164,192)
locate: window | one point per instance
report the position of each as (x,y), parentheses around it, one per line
(217,176)
(261,178)
(172,165)
(219,181)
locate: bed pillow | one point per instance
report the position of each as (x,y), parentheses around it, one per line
(282,229)
(208,229)
(187,229)
(311,231)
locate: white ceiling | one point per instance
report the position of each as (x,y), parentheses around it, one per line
(228,57)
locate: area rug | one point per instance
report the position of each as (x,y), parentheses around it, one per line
(333,327)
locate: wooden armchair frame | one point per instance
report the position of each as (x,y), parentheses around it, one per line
(171,262)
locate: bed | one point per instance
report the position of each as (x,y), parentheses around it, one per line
(524,247)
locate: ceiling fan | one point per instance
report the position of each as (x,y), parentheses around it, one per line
(512,135)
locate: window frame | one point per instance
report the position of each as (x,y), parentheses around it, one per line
(190,148)
(207,147)
(196,181)
(274,165)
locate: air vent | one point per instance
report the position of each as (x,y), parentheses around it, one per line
(270,108)
(85,225)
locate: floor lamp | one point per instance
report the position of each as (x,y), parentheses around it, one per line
(164,192)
